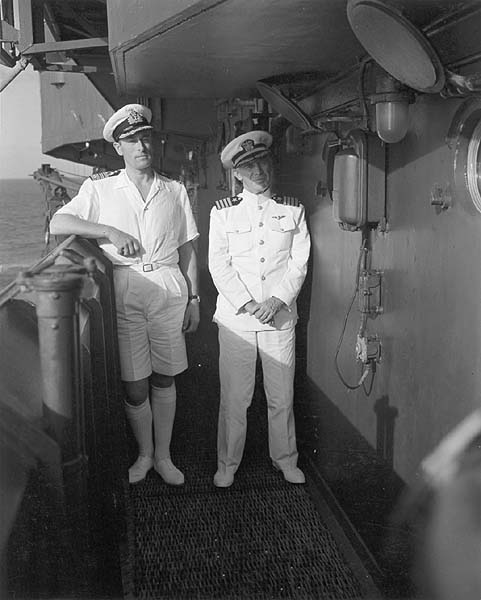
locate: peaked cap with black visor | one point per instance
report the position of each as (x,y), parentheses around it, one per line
(246,147)
(126,121)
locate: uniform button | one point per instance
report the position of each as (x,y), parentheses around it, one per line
(261,224)
(263,259)
(263,278)
(261,242)
(259,207)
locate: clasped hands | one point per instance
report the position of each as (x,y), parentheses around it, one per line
(264,311)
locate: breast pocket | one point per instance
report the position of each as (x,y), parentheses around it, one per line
(239,236)
(281,230)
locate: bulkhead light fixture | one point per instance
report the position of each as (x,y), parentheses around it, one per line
(391,102)
(391,120)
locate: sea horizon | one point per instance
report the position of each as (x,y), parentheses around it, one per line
(22,226)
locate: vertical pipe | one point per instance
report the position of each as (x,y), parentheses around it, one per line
(57,291)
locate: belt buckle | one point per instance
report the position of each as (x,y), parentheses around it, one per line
(147,267)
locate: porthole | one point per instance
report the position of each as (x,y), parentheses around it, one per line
(464,138)
(473,166)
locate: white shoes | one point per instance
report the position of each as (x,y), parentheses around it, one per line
(169,472)
(223,480)
(165,468)
(292,474)
(140,468)
(172,476)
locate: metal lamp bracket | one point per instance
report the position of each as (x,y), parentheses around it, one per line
(405,96)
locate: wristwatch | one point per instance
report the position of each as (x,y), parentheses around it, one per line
(194,297)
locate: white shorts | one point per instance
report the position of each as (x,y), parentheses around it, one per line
(150,312)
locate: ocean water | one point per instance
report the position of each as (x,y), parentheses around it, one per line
(22,218)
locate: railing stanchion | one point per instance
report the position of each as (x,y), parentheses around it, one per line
(57,290)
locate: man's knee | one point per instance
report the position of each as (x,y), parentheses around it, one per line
(137,391)
(161,381)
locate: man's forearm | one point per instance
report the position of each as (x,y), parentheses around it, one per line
(69,224)
(63,224)
(188,267)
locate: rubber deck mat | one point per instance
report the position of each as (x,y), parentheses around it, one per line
(260,538)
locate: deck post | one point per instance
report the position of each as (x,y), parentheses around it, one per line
(57,290)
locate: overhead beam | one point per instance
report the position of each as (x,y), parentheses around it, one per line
(65,46)
(76,68)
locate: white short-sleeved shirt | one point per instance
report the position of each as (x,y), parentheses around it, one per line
(161,224)
(258,248)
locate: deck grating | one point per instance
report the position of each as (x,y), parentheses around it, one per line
(261,538)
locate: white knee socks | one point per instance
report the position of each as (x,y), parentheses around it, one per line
(163,411)
(140,419)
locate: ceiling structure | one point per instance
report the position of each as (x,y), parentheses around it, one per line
(204,48)
(210,49)
(221,48)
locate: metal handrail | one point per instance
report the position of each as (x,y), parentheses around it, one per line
(63,183)
(15,286)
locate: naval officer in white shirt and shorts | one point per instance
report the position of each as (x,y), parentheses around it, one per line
(143,222)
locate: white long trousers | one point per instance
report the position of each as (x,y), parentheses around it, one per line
(237,366)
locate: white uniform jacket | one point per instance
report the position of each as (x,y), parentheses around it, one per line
(257,250)
(161,224)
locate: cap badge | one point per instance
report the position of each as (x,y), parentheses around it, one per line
(134,117)
(248,145)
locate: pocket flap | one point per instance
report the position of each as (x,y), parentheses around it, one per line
(242,227)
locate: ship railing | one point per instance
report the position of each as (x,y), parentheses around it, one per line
(17,286)
(63,432)
(58,188)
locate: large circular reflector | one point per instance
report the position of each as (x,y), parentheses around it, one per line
(395,44)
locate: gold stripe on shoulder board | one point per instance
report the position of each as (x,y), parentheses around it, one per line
(227,202)
(103,175)
(286,200)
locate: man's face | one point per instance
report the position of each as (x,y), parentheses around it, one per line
(256,175)
(136,150)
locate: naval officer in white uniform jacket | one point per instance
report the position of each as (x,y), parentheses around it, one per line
(144,225)
(258,252)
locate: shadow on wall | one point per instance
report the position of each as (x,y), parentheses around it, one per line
(385,420)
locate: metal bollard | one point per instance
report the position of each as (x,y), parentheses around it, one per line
(57,291)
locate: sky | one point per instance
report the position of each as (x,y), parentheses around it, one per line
(21,132)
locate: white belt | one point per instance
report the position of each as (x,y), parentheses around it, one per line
(146,267)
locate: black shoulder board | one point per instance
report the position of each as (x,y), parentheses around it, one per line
(226,202)
(287,200)
(104,175)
